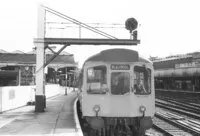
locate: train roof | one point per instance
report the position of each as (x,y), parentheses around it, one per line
(117,55)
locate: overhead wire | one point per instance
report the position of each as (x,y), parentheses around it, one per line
(79,23)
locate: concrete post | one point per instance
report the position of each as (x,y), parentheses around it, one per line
(40,80)
(40,100)
(41,17)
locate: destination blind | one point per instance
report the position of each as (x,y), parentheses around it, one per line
(120,67)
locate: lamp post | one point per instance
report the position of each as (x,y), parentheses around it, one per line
(66,84)
(19,76)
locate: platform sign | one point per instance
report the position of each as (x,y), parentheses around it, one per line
(120,67)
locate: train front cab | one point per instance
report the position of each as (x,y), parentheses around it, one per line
(113,91)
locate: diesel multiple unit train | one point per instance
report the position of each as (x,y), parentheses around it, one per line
(117,93)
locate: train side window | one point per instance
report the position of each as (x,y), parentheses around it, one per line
(97,80)
(142,80)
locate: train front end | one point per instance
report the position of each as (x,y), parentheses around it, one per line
(118,96)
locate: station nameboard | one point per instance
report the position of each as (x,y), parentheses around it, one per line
(120,67)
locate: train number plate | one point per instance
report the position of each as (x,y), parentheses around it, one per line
(120,67)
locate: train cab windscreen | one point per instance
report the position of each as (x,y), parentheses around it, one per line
(120,83)
(97,80)
(142,80)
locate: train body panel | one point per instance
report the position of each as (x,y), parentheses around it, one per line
(118,106)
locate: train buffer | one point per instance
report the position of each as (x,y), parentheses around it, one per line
(59,119)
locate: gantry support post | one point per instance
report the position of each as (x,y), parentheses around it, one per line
(40,100)
(40,80)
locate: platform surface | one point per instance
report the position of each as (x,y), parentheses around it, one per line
(57,120)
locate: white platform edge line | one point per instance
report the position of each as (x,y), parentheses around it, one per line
(78,127)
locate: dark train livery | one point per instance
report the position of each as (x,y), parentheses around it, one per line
(117,93)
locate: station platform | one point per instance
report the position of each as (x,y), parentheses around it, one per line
(59,119)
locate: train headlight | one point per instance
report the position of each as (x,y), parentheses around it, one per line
(96,109)
(142,109)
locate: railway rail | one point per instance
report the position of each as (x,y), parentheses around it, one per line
(179,109)
(167,128)
(182,118)
(179,105)
(181,125)
(179,95)
(179,102)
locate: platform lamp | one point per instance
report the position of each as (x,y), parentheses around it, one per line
(131,24)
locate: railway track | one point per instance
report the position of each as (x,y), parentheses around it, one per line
(172,124)
(179,106)
(191,110)
(180,102)
(168,129)
(188,98)
(179,109)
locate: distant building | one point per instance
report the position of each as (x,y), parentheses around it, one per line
(18,68)
(178,72)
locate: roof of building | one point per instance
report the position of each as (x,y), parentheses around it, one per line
(33,52)
(31,58)
(3,51)
(50,52)
(18,52)
(172,61)
(178,56)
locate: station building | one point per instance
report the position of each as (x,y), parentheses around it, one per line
(178,72)
(18,68)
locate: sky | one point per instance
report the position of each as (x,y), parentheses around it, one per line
(167,27)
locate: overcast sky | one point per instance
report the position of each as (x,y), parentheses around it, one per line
(167,26)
